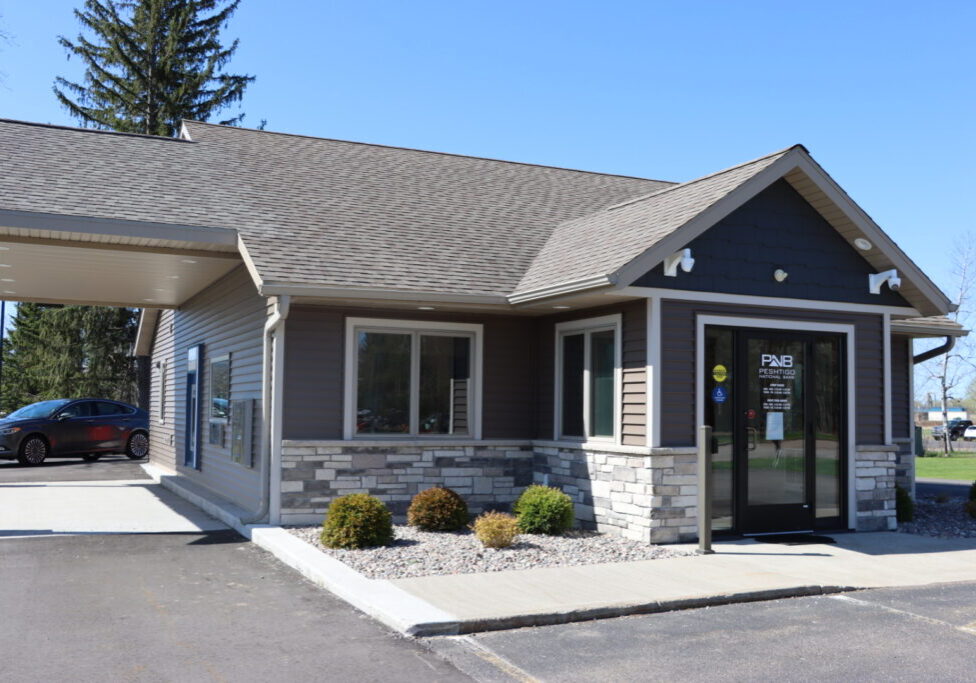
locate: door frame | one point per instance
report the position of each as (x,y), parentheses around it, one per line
(849,333)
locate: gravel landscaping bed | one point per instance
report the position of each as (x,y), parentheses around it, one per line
(424,553)
(947,519)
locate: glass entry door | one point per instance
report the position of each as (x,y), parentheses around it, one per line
(774,400)
(774,446)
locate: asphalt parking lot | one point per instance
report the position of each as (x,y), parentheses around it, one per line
(108,468)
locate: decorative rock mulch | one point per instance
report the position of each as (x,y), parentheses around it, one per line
(424,553)
(947,519)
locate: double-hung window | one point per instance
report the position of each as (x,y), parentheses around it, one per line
(587,401)
(412,378)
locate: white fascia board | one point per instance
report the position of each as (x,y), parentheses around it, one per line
(144,335)
(920,331)
(90,225)
(562,288)
(873,232)
(767,301)
(304,290)
(249,264)
(721,208)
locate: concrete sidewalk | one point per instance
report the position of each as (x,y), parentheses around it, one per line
(738,571)
(106,507)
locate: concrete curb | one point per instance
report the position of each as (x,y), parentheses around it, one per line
(413,616)
(380,599)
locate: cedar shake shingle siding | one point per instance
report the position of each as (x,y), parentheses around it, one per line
(776,229)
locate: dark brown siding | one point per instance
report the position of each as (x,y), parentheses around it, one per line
(634,352)
(315,336)
(678,349)
(901,387)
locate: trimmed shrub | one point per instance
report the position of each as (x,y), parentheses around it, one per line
(357,521)
(971,508)
(972,491)
(904,505)
(544,510)
(438,509)
(496,529)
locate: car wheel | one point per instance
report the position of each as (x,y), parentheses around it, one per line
(138,446)
(91,457)
(33,451)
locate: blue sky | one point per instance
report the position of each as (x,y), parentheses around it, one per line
(882,93)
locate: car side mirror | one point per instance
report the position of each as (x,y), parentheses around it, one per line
(61,417)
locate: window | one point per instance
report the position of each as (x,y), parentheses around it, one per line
(410,378)
(163,367)
(104,409)
(220,388)
(587,379)
(80,409)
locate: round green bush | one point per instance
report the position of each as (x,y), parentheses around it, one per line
(357,521)
(904,505)
(544,510)
(438,509)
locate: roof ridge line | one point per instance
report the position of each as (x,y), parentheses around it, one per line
(100,131)
(704,177)
(431,151)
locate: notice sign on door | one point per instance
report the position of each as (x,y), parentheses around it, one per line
(776,378)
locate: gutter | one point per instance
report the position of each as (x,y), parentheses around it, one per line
(937,351)
(273,356)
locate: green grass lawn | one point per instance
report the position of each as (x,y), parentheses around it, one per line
(960,466)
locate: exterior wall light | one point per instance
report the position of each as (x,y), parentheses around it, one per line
(780,275)
(679,258)
(877,280)
(862,244)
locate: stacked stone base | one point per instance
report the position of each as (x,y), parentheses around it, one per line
(874,484)
(617,490)
(314,473)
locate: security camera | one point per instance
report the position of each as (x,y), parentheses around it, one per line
(876,280)
(681,258)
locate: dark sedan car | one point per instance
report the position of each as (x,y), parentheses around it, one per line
(87,427)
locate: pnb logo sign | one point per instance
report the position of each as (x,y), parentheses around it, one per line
(773,361)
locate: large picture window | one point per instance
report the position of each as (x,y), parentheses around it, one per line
(412,379)
(587,379)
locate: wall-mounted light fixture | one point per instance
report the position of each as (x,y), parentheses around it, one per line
(780,275)
(877,280)
(679,258)
(862,244)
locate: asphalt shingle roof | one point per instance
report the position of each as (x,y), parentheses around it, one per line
(315,211)
(602,242)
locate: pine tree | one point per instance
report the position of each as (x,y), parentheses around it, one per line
(68,352)
(151,63)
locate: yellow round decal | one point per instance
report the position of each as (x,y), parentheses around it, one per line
(719,373)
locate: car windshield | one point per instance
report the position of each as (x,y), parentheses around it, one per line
(42,409)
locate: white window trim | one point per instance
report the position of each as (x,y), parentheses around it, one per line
(416,327)
(588,325)
(210,393)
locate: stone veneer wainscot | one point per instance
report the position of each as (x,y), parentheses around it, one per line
(490,475)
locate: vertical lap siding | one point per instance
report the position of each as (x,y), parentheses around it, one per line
(901,399)
(314,357)
(228,318)
(634,362)
(678,375)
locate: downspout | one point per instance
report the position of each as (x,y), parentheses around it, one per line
(270,370)
(937,351)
